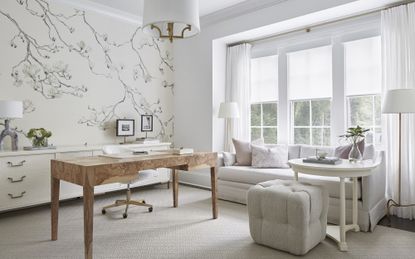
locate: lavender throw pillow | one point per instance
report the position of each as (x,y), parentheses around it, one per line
(243,151)
(343,151)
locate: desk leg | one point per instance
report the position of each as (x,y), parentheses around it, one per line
(175,187)
(213,183)
(88,220)
(55,186)
(342,244)
(355,210)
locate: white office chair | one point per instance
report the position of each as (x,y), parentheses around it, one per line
(142,175)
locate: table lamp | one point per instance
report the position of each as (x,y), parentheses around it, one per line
(399,101)
(10,110)
(228,111)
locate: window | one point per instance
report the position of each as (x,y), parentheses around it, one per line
(311,122)
(363,84)
(310,91)
(264,122)
(264,97)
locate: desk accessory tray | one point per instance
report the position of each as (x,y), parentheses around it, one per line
(325,161)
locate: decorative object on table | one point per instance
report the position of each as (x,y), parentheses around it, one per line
(39,138)
(355,135)
(324,161)
(125,128)
(171,19)
(398,101)
(321,154)
(228,111)
(10,110)
(146,125)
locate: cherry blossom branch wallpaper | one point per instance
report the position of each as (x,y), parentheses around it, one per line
(77,72)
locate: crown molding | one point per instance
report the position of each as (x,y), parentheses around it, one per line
(237,10)
(102,9)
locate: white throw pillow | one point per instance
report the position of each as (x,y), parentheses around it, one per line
(229,159)
(266,157)
(369,152)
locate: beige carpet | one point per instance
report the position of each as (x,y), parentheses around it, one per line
(184,232)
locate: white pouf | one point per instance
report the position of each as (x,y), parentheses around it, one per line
(288,215)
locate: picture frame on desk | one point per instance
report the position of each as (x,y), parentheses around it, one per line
(125,128)
(146,123)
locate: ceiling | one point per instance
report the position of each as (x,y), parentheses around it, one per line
(135,7)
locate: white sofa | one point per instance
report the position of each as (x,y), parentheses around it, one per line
(234,182)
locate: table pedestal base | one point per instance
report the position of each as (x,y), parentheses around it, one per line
(333,232)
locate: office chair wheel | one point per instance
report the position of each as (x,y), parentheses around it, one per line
(124,215)
(150,209)
(103,211)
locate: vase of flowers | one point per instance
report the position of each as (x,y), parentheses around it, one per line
(355,135)
(39,137)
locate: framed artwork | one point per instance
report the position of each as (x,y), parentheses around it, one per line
(146,123)
(125,127)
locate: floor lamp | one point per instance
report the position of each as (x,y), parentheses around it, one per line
(399,101)
(228,111)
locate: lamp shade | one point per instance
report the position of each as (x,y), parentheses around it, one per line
(11,109)
(399,101)
(228,110)
(179,12)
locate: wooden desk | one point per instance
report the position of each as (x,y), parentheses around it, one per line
(92,171)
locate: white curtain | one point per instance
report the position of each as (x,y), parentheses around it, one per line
(398,59)
(238,90)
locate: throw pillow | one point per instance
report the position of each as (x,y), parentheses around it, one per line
(229,159)
(343,151)
(266,157)
(369,152)
(243,151)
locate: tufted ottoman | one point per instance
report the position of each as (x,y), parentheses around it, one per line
(288,215)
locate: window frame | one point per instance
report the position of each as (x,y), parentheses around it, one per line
(372,127)
(261,127)
(310,127)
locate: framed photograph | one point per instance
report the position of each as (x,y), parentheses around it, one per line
(125,127)
(146,123)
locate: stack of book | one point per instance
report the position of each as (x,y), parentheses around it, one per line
(326,161)
(147,141)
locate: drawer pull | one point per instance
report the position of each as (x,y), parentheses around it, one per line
(18,196)
(16,181)
(21,163)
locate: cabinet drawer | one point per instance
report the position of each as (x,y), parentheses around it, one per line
(19,165)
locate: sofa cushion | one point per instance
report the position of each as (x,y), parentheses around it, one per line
(243,150)
(229,159)
(343,151)
(249,175)
(270,157)
(307,150)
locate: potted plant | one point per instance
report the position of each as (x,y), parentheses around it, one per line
(39,137)
(355,135)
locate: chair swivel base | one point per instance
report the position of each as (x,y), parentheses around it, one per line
(126,203)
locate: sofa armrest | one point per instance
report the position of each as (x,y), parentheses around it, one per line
(220,161)
(374,185)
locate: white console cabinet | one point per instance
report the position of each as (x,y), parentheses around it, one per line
(25,175)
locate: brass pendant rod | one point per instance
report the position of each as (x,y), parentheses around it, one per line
(170,30)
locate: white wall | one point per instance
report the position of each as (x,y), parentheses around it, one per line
(200,75)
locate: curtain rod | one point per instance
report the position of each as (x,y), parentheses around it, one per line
(319,24)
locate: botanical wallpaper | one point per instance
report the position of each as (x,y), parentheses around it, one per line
(78,71)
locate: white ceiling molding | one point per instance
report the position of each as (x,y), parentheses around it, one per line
(237,10)
(102,9)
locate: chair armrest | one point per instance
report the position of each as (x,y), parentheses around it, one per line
(374,185)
